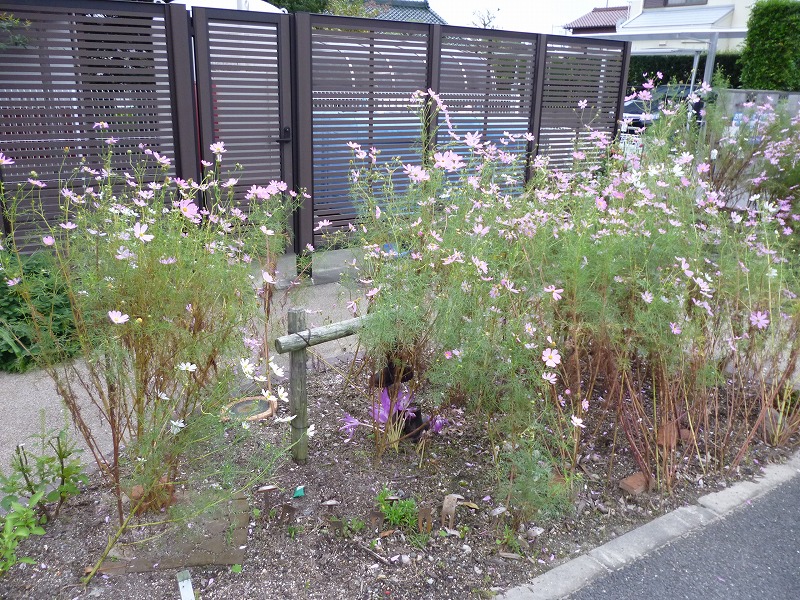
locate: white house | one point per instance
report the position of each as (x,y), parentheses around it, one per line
(254,5)
(684,27)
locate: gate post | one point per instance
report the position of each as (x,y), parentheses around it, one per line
(535,123)
(181,81)
(303,130)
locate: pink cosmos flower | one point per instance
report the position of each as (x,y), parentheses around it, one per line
(675,328)
(117,317)
(416,173)
(68,225)
(577,422)
(449,161)
(759,320)
(480,230)
(124,254)
(13,282)
(322,224)
(551,289)
(583,104)
(473,140)
(189,210)
(218,148)
(5,160)
(551,357)
(170,260)
(139,233)
(550,378)
(647,297)
(48,240)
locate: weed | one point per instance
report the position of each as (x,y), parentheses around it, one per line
(418,539)
(356,525)
(293,531)
(400,513)
(18,524)
(508,539)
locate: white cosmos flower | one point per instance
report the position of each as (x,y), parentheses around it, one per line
(117,317)
(176,426)
(286,419)
(187,366)
(248,368)
(312,429)
(275,368)
(283,394)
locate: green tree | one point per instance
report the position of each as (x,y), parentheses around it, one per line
(313,6)
(352,8)
(8,36)
(771,55)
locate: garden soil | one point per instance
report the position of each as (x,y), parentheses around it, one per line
(318,536)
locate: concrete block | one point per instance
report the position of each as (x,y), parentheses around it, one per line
(559,582)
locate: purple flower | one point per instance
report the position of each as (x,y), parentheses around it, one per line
(438,423)
(759,320)
(349,424)
(383,410)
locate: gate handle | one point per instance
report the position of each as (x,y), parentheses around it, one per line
(287,136)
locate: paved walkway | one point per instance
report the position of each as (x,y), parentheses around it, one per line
(737,544)
(28,399)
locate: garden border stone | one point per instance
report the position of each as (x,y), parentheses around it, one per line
(571,576)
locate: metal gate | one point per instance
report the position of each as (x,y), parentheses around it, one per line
(243,67)
(285,93)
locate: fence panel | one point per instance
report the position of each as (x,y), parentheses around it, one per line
(486,80)
(84,63)
(244,92)
(575,70)
(284,92)
(363,75)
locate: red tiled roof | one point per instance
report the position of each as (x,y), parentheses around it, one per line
(600,17)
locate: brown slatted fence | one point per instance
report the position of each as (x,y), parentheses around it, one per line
(486,80)
(284,92)
(242,62)
(83,63)
(575,70)
(363,75)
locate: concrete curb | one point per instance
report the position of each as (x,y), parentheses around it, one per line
(572,576)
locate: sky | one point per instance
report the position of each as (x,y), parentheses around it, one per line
(538,16)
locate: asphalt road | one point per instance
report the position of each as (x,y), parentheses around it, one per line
(753,553)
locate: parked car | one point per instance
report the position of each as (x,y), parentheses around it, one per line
(641,113)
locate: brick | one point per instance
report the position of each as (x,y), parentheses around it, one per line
(634,484)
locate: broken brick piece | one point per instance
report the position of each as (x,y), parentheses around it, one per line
(634,484)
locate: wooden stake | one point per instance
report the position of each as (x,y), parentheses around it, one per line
(298,396)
